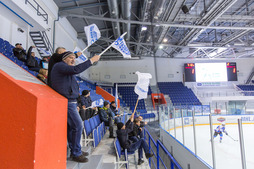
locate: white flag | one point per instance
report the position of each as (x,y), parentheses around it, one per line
(45,52)
(141,87)
(92,34)
(97,103)
(121,46)
(82,58)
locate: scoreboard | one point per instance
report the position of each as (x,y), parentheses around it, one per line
(210,72)
(231,71)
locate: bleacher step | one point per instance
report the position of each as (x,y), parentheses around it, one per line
(108,166)
(95,162)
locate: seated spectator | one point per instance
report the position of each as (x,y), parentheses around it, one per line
(123,137)
(86,102)
(19,52)
(142,124)
(115,111)
(106,115)
(113,107)
(135,134)
(33,65)
(44,63)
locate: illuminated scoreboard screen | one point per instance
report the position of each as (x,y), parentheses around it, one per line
(210,72)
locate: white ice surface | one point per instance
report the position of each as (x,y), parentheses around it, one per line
(227,153)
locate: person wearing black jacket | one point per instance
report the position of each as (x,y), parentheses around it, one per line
(117,116)
(19,52)
(33,65)
(64,82)
(86,102)
(123,137)
(134,135)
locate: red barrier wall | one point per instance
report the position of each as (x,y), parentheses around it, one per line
(33,126)
(158,98)
(106,95)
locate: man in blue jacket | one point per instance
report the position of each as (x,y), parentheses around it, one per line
(63,81)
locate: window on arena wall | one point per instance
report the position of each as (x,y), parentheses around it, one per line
(107,77)
(122,77)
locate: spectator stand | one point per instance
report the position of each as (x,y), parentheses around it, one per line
(247,90)
(178,93)
(6,49)
(122,153)
(94,131)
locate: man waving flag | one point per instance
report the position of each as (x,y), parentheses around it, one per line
(142,85)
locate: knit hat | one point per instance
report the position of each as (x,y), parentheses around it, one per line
(105,103)
(18,44)
(85,92)
(66,54)
(120,125)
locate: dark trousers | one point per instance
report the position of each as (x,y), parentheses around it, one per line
(110,124)
(140,144)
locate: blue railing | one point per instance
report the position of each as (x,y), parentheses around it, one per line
(162,158)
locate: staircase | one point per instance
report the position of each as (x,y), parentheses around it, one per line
(250,77)
(41,40)
(155,89)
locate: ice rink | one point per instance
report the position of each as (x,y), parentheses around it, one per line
(227,153)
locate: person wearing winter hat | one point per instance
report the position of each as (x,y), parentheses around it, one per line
(106,115)
(123,137)
(86,102)
(64,82)
(57,57)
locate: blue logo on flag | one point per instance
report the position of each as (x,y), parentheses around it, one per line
(142,90)
(93,34)
(120,43)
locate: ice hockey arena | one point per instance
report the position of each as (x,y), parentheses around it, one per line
(135,84)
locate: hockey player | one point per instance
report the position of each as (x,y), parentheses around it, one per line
(219,130)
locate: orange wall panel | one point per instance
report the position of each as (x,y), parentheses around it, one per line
(106,95)
(33,125)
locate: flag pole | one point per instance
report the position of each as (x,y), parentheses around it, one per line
(111,45)
(135,107)
(84,49)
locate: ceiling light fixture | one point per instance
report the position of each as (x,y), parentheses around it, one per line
(165,40)
(160,47)
(144,28)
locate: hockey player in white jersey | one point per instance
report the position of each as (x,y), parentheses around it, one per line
(219,129)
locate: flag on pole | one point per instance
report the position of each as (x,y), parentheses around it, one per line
(116,97)
(121,46)
(82,58)
(45,52)
(141,87)
(92,34)
(97,103)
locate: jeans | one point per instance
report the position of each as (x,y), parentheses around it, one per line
(74,129)
(139,145)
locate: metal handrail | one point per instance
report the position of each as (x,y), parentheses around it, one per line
(38,8)
(158,144)
(47,42)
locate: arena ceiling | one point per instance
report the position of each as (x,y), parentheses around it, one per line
(167,28)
